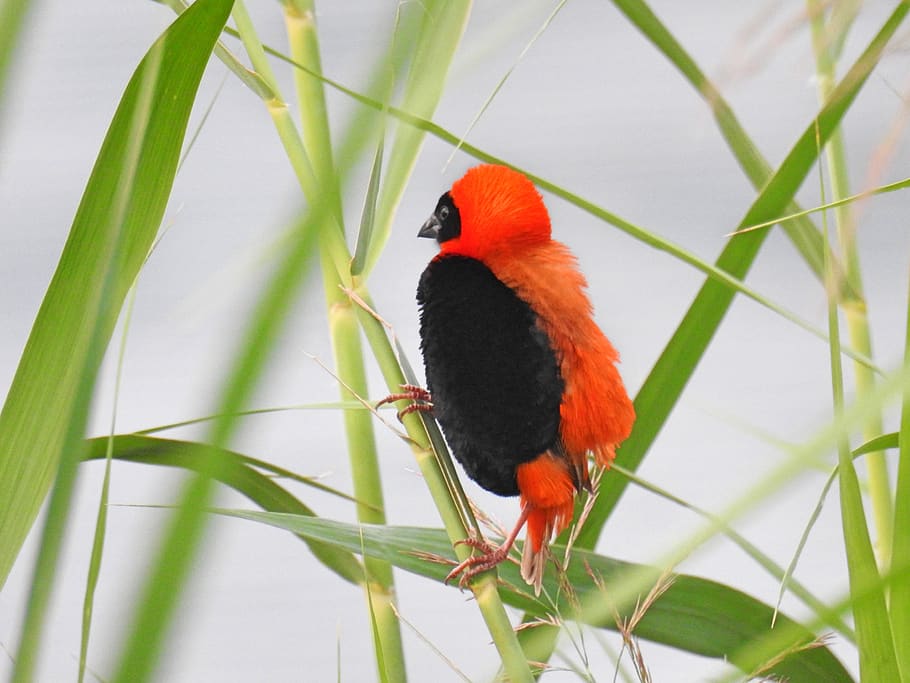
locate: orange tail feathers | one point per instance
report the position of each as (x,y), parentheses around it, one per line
(547,493)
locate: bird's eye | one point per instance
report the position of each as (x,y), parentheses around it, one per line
(449,220)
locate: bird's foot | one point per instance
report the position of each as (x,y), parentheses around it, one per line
(421,400)
(491,556)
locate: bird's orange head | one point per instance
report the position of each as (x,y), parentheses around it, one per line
(491,209)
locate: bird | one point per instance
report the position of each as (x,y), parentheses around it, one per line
(519,376)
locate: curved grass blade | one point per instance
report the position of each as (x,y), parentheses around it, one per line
(235,472)
(879,443)
(694,614)
(33,421)
(368,218)
(883,189)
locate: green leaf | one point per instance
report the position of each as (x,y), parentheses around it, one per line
(234,471)
(693,614)
(368,218)
(131,180)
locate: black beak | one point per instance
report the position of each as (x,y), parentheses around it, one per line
(431,228)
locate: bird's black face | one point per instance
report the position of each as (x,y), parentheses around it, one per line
(445,223)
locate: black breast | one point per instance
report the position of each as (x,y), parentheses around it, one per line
(491,370)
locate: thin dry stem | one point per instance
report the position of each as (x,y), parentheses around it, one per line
(548,620)
(821,641)
(742,62)
(426,641)
(627,626)
(363,401)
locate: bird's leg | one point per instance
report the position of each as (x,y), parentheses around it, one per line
(421,399)
(492,555)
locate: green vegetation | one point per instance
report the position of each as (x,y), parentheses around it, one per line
(43,424)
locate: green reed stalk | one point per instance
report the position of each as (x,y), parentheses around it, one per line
(345,335)
(853,304)
(877,657)
(900,560)
(436,467)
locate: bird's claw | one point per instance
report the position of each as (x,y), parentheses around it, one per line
(467,569)
(421,400)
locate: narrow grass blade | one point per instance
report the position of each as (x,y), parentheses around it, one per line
(321,405)
(694,614)
(376,630)
(890,187)
(900,591)
(879,443)
(368,219)
(94,568)
(34,416)
(680,357)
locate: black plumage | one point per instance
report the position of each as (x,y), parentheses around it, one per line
(491,371)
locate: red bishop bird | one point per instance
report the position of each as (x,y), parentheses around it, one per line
(523,382)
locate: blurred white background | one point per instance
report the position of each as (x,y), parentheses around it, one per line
(592,107)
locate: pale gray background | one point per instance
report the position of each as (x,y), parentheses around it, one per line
(592,107)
